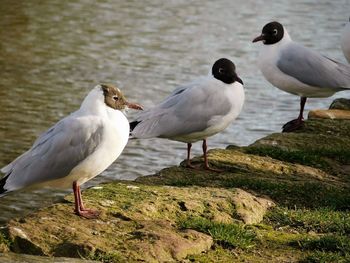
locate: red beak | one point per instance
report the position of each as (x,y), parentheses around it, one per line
(259,38)
(134,106)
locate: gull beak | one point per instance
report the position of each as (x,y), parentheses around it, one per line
(259,38)
(133,106)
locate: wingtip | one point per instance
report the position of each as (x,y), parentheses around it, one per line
(133,125)
(2,185)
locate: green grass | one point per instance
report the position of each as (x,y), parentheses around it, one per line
(225,235)
(113,256)
(4,240)
(328,243)
(322,220)
(292,156)
(305,157)
(329,248)
(325,257)
(295,194)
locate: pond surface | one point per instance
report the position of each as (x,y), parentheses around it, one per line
(53,52)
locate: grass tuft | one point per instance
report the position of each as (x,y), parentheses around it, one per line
(327,243)
(295,194)
(4,240)
(325,257)
(323,220)
(225,235)
(311,157)
(100,256)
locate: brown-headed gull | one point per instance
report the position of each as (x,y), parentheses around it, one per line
(76,149)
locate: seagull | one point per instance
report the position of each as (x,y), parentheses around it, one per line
(76,149)
(298,70)
(345,41)
(195,111)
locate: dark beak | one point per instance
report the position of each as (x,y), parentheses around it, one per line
(133,106)
(259,38)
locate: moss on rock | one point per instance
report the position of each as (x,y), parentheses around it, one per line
(137,222)
(181,214)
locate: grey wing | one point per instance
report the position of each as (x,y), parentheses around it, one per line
(313,69)
(188,109)
(55,153)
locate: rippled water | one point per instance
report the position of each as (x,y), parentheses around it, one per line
(53,52)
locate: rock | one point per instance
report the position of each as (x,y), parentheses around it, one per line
(161,241)
(249,208)
(136,223)
(329,114)
(340,104)
(225,214)
(23,258)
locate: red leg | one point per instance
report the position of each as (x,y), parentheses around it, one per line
(188,161)
(76,198)
(80,210)
(81,205)
(298,122)
(206,164)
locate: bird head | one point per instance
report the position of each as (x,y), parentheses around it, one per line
(115,99)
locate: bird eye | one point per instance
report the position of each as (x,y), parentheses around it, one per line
(221,70)
(115,98)
(275,32)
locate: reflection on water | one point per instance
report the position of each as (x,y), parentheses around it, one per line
(53,53)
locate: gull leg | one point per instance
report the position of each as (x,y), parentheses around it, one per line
(206,164)
(298,122)
(80,210)
(188,160)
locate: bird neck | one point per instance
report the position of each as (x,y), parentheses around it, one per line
(94,103)
(286,37)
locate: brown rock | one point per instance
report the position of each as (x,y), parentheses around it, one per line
(249,208)
(330,114)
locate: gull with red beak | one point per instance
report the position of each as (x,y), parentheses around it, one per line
(298,70)
(76,149)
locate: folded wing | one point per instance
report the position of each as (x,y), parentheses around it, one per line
(313,69)
(55,153)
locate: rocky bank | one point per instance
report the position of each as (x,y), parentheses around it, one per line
(285,198)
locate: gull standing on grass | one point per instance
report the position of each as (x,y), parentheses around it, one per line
(345,41)
(75,149)
(195,111)
(298,70)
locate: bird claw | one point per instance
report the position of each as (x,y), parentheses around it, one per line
(88,213)
(292,125)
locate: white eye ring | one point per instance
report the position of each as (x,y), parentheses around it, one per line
(275,31)
(221,70)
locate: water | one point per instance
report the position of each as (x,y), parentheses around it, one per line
(53,52)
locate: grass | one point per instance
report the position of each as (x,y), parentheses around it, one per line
(311,157)
(284,191)
(325,257)
(295,194)
(105,257)
(322,220)
(4,240)
(225,235)
(328,243)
